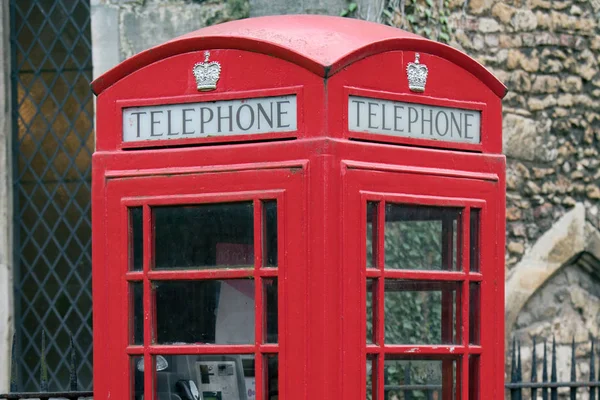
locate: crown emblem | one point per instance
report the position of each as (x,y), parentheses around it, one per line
(417,75)
(207,73)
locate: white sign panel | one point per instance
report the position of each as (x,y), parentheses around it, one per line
(413,120)
(209,119)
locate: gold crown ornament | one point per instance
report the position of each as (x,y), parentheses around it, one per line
(417,75)
(207,74)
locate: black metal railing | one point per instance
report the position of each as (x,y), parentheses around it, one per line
(575,387)
(516,389)
(45,394)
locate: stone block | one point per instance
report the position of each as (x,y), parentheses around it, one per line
(527,139)
(518,81)
(524,20)
(562,21)
(369,10)
(543,4)
(489,25)
(155,23)
(571,84)
(503,12)
(278,7)
(509,41)
(565,100)
(593,192)
(480,6)
(545,84)
(538,104)
(516,247)
(105,37)
(587,66)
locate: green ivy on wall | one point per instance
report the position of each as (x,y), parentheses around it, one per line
(428,18)
(350,10)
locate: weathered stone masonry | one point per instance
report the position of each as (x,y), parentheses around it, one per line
(547,52)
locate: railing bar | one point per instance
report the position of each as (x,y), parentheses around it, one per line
(513,370)
(552,385)
(545,373)
(45,395)
(553,378)
(534,371)
(519,372)
(592,370)
(573,391)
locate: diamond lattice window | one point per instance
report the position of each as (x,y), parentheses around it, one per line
(53,143)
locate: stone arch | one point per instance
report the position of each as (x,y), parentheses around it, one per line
(570,239)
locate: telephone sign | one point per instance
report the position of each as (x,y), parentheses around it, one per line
(219,118)
(413,120)
(298,209)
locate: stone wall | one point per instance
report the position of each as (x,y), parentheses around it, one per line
(547,53)
(570,295)
(123,28)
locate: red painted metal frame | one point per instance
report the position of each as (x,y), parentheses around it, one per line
(323,203)
(405,188)
(322,175)
(123,193)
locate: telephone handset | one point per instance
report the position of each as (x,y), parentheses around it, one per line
(187,390)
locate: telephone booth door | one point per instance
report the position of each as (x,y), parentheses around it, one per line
(428,277)
(203,260)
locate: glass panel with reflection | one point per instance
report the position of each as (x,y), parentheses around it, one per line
(208,311)
(204,236)
(271,319)
(206,377)
(136,239)
(137,377)
(136,301)
(421,312)
(474,239)
(419,378)
(270,233)
(422,237)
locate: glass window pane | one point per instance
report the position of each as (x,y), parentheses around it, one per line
(419,378)
(271,316)
(136,239)
(422,238)
(272,377)
(420,312)
(371,377)
(209,311)
(206,377)
(474,312)
(137,302)
(52,141)
(474,239)
(474,378)
(371,307)
(204,236)
(137,377)
(270,233)
(371,233)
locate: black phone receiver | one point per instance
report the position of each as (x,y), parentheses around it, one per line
(187,390)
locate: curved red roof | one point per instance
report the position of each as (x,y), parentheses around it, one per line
(321,44)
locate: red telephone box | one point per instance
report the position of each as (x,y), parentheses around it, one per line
(298,207)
